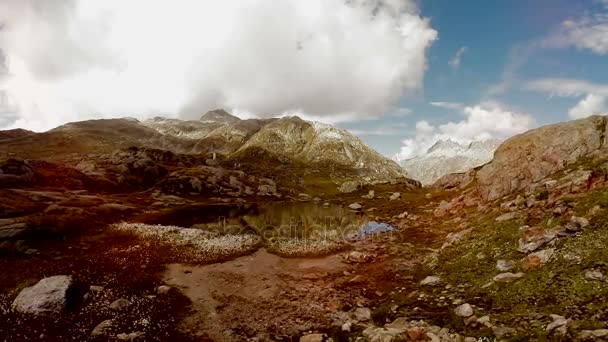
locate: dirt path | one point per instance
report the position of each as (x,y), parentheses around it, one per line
(260,294)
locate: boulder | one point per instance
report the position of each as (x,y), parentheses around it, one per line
(48,296)
(395,196)
(312,338)
(363,314)
(534,238)
(504,265)
(103,328)
(537,259)
(120,304)
(355,206)
(594,275)
(431,280)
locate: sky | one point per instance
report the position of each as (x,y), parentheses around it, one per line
(401,74)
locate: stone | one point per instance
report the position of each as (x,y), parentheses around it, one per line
(96,289)
(348,187)
(134,336)
(395,196)
(502,331)
(470,321)
(593,334)
(103,328)
(120,304)
(504,265)
(485,320)
(48,296)
(416,334)
(376,334)
(363,314)
(347,326)
(355,206)
(464,310)
(356,257)
(594,275)
(508,277)
(163,289)
(558,321)
(534,238)
(537,259)
(370,195)
(507,217)
(312,338)
(431,280)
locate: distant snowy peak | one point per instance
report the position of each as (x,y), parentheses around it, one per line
(448,156)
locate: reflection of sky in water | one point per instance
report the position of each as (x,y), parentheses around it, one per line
(301,220)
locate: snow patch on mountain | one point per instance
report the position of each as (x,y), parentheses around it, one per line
(448,156)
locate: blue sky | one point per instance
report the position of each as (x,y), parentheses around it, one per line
(504,42)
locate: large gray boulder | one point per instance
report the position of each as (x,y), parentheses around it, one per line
(48,296)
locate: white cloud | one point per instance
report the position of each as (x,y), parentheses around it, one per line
(588,32)
(448,105)
(456,60)
(566,87)
(75,59)
(483,121)
(592,104)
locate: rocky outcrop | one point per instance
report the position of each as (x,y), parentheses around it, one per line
(530,157)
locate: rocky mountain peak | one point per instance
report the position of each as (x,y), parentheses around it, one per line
(219,116)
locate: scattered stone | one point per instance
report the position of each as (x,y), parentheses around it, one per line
(508,277)
(470,321)
(502,331)
(312,338)
(370,195)
(375,334)
(504,265)
(431,280)
(103,328)
(416,334)
(593,334)
(355,206)
(400,323)
(363,314)
(537,259)
(485,320)
(134,336)
(356,257)
(395,196)
(348,187)
(163,289)
(534,238)
(48,296)
(594,275)
(120,304)
(347,326)
(507,217)
(96,289)
(558,321)
(464,310)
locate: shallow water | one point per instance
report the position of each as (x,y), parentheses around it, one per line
(290,220)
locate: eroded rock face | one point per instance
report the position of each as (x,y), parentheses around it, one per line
(530,157)
(49,295)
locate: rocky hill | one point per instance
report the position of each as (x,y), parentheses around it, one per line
(447,157)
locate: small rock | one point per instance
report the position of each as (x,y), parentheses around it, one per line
(120,304)
(507,216)
(96,289)
(347,326)
(470,321)
(508,277)
(163,289)
(536,260)
(103,328)
(363,314)
(504,265)
(502,331)
(312,338)
(416,334)
(370,195)
(558,321)
(464,310)
(485,320)
(395,196)
(593,334)
(356,257)
(355,206)
(594,275)
(134,336)
(31,251)
(431,280)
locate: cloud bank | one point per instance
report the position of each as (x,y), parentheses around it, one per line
(595,100)
(68,60)
(483,121)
